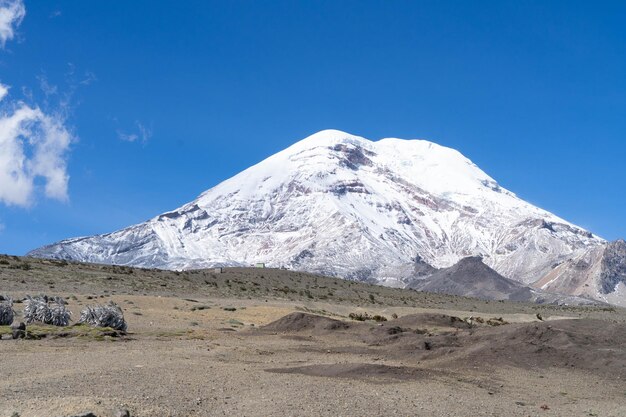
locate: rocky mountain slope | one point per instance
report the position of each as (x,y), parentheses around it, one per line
(599,272)
(342,205)
(470,277)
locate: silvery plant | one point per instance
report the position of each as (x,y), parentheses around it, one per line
(107,315)
(6,310)
(46,310)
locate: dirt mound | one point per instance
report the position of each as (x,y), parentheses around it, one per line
(301,322)
(584,344)
(356,371)
(591,345)
(412,332)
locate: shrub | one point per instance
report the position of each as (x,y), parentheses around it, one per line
(496,321)
(359,316)
(46,310)
(24,265)
(6,310)
(107,315)
(365,316)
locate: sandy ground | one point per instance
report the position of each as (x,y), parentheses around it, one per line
(185,355)
(178,362)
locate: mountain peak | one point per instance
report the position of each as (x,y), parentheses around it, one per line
(339,204)
(332,135)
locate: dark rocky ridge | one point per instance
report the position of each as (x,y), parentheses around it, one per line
(470,277)
(613,266)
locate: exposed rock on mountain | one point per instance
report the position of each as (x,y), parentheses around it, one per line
(342,205)
(470,277)
(599,272)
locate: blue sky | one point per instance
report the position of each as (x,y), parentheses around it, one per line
(164,100)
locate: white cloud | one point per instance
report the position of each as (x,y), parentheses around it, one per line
(33,145)
(4,90)
(145,132)
(127,137)
(11,14)
(142,134)
(47,88)
(89,78)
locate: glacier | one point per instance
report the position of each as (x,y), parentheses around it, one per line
(342,205)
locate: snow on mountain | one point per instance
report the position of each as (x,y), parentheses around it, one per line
(342,205)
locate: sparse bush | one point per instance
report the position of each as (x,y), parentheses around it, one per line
(359,316)
(24,266)
(46,310)
(395,330)
(6,310)
(499,321)
(107,315)
(365,316)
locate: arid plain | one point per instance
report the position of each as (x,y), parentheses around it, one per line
(264,342)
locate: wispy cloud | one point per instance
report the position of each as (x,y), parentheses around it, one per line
(127,137)
(11,14)
(33,145)
(47,88)
(144,132)
(141,133)
(88,78)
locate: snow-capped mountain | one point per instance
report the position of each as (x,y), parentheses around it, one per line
(342,205)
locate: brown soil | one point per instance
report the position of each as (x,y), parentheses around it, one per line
(358,371)
(300,322)
(587,344)
(253,348)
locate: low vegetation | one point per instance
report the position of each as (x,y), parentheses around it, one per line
(46,310)
(365,316)
(6,310)
(107,315)
(82,331)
